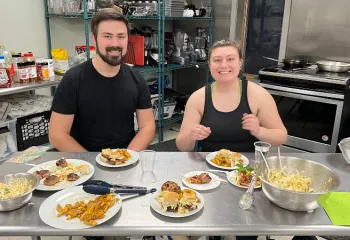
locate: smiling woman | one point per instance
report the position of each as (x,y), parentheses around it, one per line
(230,113)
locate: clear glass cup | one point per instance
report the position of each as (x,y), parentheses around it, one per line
(264,147)
(147,158)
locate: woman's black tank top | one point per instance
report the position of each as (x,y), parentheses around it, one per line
(226,127)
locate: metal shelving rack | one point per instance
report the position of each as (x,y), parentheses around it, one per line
(161,69)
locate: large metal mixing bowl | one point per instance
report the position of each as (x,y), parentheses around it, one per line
(17,202)
(323,180)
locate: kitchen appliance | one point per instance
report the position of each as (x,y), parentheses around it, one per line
(312,105)
(180,38)
(201,32)
(199,48)
(154,41)
(147,33)
(138,45)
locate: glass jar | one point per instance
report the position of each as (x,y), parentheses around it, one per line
(72,6)
(45,71)
(154,8)
(31,67)
(23,72)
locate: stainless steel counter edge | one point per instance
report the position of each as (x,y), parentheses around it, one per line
(17,87)
(256,230)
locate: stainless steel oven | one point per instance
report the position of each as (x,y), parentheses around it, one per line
(311,117)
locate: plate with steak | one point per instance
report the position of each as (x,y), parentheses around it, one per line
(201,180)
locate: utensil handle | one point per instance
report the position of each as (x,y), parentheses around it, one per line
(272,59)
(97,183)
(98,190)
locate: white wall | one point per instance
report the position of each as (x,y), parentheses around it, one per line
(24,29)
(23,26)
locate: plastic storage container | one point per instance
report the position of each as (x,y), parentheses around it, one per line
(33,130)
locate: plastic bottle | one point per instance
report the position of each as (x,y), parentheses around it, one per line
(5,76)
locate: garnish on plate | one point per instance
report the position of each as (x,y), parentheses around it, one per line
(244,176)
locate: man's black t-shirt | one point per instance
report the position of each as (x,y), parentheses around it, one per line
(103,107)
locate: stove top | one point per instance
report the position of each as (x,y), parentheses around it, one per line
(310,73)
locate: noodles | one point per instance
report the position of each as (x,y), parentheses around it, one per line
(294,182)
(15,188)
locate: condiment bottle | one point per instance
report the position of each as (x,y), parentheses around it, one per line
(5,76)
(16,58)
(45,71)
(39,71)
(32,71)
(28,57)
(23,72)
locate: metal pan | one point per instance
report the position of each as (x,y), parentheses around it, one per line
(291,62)
(331,66)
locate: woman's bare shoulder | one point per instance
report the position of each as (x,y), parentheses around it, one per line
(197,99)
(256,91)
(198,96)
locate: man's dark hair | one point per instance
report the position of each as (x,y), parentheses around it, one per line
(108,14)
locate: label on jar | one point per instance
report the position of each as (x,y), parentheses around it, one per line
(3,76)
(32,72)
(23,74)
(45,72)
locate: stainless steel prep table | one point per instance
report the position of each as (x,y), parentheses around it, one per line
(221,214)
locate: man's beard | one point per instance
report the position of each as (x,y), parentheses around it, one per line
(111,60)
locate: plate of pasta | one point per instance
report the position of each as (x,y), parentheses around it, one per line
(225,159)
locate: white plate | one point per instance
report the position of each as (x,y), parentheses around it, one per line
(212,155)
(134,158)
(214,183)
(231,176)
(65,184)
(158,208)
(48,212)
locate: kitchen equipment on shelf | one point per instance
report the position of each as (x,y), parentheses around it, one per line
(130,56)
(180,38)
(331,66)
(138,44)
(323,180)
(101,4)
(199,48)
(201,32)
(154,46)
(147,33)
(71,6)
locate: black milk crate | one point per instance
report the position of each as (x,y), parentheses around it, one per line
(33,130)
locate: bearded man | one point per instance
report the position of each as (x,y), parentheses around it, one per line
(95,102)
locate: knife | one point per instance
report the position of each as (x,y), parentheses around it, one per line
(106,184)
(102,190)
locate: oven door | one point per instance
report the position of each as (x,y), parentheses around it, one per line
(312,122)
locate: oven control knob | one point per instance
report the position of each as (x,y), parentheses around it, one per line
(325,138)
